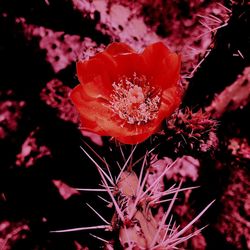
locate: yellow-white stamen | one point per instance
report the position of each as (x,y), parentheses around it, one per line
(134,100)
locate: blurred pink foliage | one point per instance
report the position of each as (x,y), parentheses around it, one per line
(184,168)
(10,114)
(10,232)
(55,95)
(240,148)
(233,222)
(61,49)
(31,151)
(65,190)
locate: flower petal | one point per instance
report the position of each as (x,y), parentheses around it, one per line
(87,109)
(129,134)
(98,118)
(162,65)
(134,139)
(93,75)
(155,53)
(131,63)
(170,100)
(116,48)
(170,74)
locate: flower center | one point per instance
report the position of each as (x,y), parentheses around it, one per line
(134,100)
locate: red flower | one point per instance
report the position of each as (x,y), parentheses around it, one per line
(126,95)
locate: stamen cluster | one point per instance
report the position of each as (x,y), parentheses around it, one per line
(134,100)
